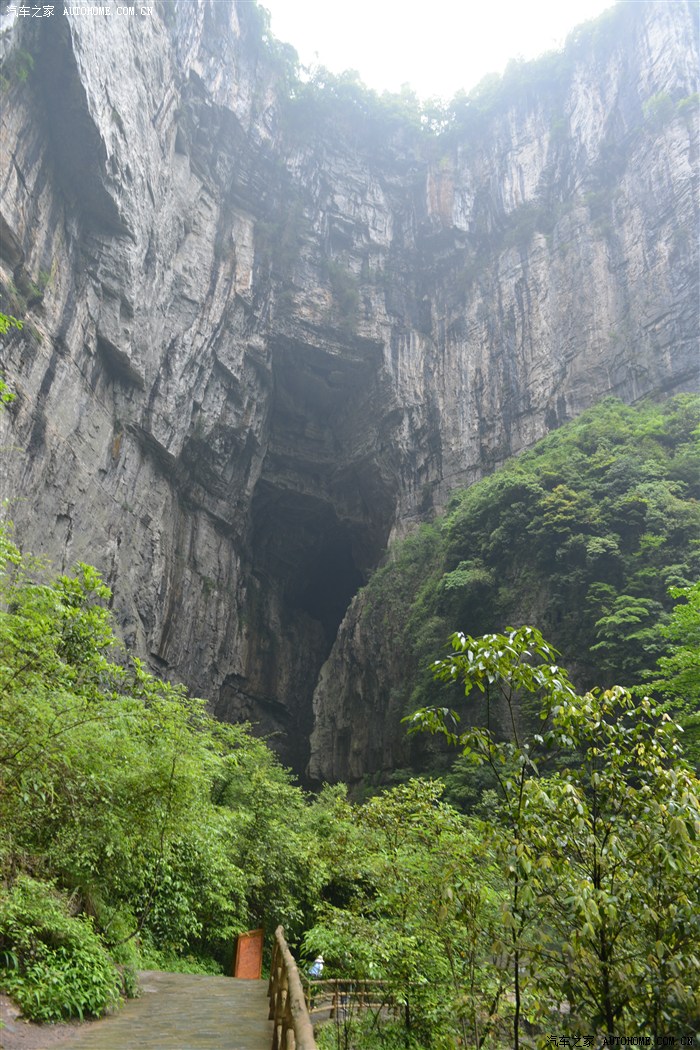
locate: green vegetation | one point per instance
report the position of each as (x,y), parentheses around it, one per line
(323,98)
(329,99)
(676,678)
(16,68)
(55,952)
(584,535)
(567,908)
(7,322)
(661,109)
(600,852)
(126,810)
(413,902)
(140,832)
(23,293)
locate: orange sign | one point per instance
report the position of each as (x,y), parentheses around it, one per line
(249,949)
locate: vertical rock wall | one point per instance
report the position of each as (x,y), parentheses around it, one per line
(258,345)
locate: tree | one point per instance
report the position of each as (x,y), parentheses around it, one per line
(412,902)
(583,535)
(628,629)
(677,675)
(601,849)
(105,771)
(7,322)
(617,832)
(168,831)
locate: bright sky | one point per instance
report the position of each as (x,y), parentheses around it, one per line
(436,46)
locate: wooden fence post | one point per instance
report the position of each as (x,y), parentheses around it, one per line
(292,1025)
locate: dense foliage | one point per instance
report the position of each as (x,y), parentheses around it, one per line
(129,815)
(676,677)
(412,903)
(313,100)
(585,535)
(567,909)
(138,831)
(56,965)
(317,97)
(596,828)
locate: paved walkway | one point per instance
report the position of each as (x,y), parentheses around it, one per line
(178,1011)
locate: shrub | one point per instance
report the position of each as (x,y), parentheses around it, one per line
(51,963)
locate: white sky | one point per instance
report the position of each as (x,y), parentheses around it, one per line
(436,46)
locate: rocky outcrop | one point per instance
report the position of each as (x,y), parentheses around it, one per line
(262,339)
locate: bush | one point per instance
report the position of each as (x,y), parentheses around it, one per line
(365,1032)
(52,964)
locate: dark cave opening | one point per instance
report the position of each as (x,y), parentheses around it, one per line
(327,582)
(323,507)
(313,558)
(321,513)
(307,564)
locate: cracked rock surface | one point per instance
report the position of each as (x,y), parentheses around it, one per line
(258,348)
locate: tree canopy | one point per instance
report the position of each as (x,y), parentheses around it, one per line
(124,803)
(585,535)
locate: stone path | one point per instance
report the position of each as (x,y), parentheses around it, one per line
(182,1012)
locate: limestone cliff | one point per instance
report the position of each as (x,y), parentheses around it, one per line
(264,335)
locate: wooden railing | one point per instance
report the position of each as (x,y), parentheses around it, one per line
(292,1030)
(343,997)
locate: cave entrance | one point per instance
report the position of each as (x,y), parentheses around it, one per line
(328,583)
(323,507)
(320,517)
(312,559)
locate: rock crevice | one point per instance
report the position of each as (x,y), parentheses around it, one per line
(262,342)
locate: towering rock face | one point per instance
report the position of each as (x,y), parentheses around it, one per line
(264,337)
